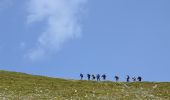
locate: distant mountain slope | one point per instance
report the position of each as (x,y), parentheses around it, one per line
(20,86)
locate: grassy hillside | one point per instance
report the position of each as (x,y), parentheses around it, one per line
(19,86)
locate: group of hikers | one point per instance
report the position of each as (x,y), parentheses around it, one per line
(98,77)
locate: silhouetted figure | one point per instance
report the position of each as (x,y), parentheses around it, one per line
(98,77)
(134,79)
(81,76)
(127,78)
(139,78)
(88,76)
(117,78)
(104,76)
(93,77)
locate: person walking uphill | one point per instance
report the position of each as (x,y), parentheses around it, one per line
(81,76)
(134,79)
(98,77)
(93,77)
(104,77)
(127,78)
(117,78)
(139,78)
(88,76)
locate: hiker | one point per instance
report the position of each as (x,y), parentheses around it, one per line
(104,77)
(117,78)
(93,77)
(127,78)
(81,76)
(98,77)
(88,76)
(139,78)
(134,79)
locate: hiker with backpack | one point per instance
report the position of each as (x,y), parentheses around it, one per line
(127,78)
(117,78)
(93,77)
(98,77)
(81,76)
(139,78)
(104,76)
(134,79)
(88,76)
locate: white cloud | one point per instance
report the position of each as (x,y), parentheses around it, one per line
(63,23)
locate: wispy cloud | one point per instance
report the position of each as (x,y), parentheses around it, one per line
(63,23)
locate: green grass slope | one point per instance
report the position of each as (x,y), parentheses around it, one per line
(20,86)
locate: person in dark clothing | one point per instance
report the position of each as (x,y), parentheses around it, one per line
(127,78)
(139,78)
(134,79)
(117,78)
(93,77)
(104,76)
(98,77)
(88,76)
(81,76)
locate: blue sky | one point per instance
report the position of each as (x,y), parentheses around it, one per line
(61,38)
